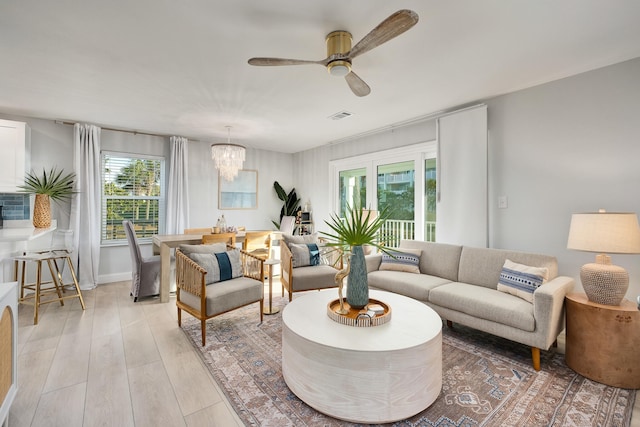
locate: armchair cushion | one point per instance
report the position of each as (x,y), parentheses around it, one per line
(219,266)
(225,296)
(304,254)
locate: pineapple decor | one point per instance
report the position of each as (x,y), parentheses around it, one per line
(52,185)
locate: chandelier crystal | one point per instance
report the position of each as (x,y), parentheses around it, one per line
(228,158)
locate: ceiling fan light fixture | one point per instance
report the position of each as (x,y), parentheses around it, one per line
(228,158)
(339,68)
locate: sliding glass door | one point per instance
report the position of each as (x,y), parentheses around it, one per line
(402,180)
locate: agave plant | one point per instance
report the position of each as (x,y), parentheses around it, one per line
(53,184)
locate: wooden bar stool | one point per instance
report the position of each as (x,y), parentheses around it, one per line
(40,288)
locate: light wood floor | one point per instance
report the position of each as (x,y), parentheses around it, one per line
(117,364)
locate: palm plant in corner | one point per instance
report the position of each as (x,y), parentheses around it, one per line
(50,186)
(358,228)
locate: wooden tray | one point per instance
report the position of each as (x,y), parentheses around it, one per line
(358,317)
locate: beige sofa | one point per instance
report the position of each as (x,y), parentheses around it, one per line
(461,284)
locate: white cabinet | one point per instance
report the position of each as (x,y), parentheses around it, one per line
(15,146)
(8,348)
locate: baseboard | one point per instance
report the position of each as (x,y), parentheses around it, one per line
(116,277)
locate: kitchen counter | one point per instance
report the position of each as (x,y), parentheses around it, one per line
(18,231)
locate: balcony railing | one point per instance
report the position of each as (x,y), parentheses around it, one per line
(395,230)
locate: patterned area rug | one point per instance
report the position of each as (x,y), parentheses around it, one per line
(487,381)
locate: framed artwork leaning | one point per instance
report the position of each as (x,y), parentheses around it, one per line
(241,193)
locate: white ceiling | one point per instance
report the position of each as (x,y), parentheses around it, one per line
(180,67)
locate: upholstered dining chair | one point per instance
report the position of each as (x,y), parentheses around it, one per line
(228,238)
(287,224)
(145,272)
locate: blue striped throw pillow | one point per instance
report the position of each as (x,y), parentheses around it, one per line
(402,260)
(521,280)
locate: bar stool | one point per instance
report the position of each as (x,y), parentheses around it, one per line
(56,285)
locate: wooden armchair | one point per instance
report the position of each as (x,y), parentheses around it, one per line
(306,278)
(204,301)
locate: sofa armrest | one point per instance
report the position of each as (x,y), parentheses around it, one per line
(548,307)
(373,262)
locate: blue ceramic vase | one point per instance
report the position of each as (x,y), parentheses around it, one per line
(358,286)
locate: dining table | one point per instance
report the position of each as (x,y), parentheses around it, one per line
(164,243)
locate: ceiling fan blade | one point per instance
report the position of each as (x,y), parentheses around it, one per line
(282,61)
(357,85)
(391,27)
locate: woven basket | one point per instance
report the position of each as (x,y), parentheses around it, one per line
(42,211)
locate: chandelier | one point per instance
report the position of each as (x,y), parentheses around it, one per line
(228,157)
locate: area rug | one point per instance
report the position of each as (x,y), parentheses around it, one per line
(487,381)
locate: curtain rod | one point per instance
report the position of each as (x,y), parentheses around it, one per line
(134,132)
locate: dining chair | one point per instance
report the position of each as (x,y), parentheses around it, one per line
(145,272)
(287,224)
(257,243)
(207,230)
(228,238)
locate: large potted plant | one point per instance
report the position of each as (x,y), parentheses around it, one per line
(358,228)
(290,202)
(53,185)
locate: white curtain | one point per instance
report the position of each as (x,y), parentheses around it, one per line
(85,205)
(461,209)
(178,190)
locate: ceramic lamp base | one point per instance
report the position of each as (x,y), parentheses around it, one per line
(604,283)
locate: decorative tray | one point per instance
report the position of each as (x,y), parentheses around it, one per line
(375,313)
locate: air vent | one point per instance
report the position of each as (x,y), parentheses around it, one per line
(341,115)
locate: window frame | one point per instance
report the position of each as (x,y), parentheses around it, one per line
(161,198)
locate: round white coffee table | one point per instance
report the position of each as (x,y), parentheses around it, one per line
(372,374)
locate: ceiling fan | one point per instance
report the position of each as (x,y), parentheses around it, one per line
(340,54)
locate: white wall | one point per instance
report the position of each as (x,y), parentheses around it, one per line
(568,146)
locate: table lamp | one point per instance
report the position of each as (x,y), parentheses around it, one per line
(600,232)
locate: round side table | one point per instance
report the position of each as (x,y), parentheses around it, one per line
(603,341)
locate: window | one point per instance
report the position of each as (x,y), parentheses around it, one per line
(132,189)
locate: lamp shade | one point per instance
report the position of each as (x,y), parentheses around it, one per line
(605,232)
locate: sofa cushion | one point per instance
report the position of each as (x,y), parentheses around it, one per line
(437,259)
(521,280)
(304,254)
(416,286)
(482,266)
(405,260)
(213,248)
(225,296)
(220,266)
(484,303)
